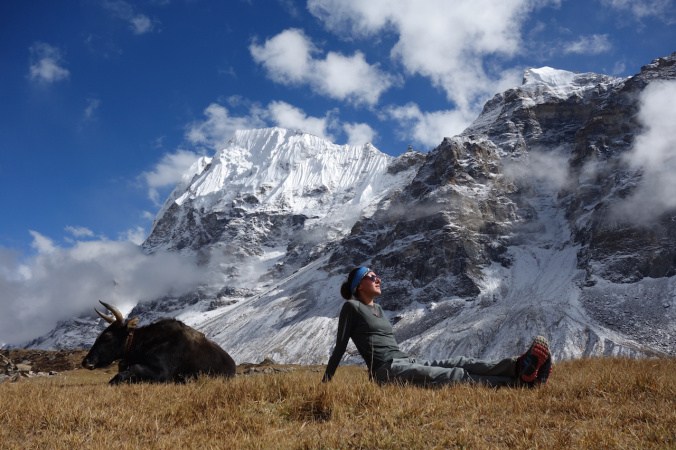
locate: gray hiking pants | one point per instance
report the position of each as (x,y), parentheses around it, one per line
(455,370)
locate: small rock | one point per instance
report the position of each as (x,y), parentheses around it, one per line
(24,367)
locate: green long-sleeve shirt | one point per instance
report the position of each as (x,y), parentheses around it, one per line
(371,333)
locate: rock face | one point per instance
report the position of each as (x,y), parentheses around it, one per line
(503,232)
(434,237)
(617,250)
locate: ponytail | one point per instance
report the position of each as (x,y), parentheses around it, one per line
(345,291)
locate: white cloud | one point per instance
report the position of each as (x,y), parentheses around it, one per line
(428,128)
(619,68)
(288,59)
(60,283)
(141,24)
(79,232)
(550,168)
(654,155)
(349,78)
(589,45)
(285,115)
(46,64)
(135,235)
(219,126)
(138,23)
(42,243)
(168,172)
(359,133)
(441,40)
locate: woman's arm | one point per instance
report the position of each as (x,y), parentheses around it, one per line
(345,323)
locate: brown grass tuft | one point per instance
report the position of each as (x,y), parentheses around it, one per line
(590,403)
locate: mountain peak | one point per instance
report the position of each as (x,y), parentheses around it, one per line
(280,172)
(562,83)
(277,166)
(548,76)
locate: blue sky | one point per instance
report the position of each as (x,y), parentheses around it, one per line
(105,102)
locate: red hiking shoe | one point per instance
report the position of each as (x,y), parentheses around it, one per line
(536,359)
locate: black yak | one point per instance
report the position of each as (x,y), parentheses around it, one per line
(165,351)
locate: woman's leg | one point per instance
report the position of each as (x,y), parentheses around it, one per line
(505,367)
(408,370)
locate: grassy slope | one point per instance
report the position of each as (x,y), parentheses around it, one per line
(595,403)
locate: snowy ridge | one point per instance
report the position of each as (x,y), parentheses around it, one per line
(560,83)
(281,166)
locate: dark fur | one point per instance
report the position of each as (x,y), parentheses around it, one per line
(165,351)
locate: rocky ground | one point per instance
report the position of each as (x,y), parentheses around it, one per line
(20,363)
(44,360)
(26,363)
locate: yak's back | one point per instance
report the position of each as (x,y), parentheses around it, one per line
(173,327)
(190,346)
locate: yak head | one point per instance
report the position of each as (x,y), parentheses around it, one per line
(111,343)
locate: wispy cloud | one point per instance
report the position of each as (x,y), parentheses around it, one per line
(661,9)
(549,168)
(139,23)
(46,64)
(34,296)
(654,156)
(135,235)
(79,232)
(41,243)
(589,45)
(93,105)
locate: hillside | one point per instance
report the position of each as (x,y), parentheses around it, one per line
(588,403)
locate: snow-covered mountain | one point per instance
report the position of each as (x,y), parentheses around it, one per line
(503,232)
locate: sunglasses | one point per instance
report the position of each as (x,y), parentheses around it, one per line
(374,278)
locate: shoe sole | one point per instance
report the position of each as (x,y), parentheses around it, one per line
(544,372)
(535,358)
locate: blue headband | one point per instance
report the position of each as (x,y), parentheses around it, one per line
(358,276)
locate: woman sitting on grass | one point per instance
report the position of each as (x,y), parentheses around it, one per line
(363,321)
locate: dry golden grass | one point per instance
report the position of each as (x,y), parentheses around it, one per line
(593,403)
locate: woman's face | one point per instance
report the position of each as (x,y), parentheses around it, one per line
(369,287)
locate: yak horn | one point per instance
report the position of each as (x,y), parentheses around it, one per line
(108,319)
(116,313)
